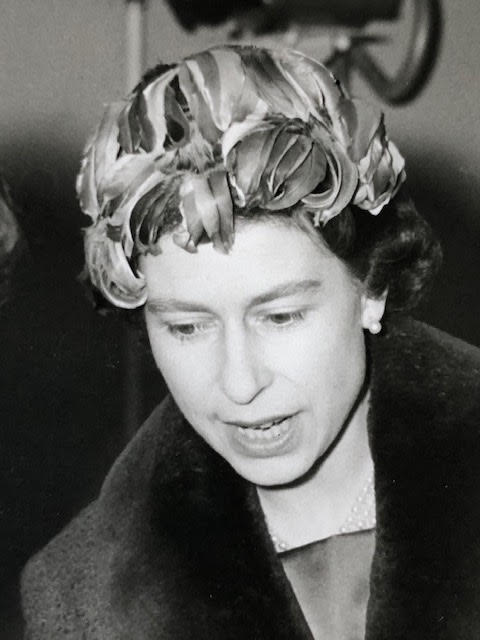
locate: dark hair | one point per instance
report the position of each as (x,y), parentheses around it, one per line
(395,251)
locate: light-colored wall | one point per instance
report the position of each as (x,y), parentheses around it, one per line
(61,59)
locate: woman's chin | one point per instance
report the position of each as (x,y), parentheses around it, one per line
(272,472)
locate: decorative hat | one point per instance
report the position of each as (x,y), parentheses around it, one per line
(230,128)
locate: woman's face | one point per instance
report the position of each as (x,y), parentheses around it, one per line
(262,349)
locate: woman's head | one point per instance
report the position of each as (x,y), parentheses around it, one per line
(262,348)
(257,214)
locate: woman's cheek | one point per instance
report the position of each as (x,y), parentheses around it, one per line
(289,361)
(188,368)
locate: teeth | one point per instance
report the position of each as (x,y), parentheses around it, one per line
(276,432)
(268,431)
(266,425)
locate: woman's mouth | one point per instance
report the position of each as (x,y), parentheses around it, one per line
(268,430)
(265,439)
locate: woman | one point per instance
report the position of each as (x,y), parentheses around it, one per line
(314,471)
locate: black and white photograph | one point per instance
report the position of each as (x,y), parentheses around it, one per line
(239,320)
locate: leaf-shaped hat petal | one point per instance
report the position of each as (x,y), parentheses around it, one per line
(271,85)
(247,153)
(300,168)
(192,84)
(154,95)
(206,207)
(125,177)
(363,122)
(219,76)
(379,185)
(301,179)
(147,217)
(86,186)
(334,194)
(110,271)
(100,154)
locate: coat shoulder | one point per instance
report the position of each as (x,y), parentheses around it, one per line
(60,584)
(65,586)
(421,361)
(426,343)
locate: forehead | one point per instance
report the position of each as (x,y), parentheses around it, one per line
(264,256)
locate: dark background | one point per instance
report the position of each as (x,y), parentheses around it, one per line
(64,369)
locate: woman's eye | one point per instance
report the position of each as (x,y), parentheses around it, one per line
(285,318)
(182,329)
(188,330)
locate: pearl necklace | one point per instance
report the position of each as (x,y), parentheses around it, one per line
(362,516)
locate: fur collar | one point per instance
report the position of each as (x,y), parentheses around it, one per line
(191,553)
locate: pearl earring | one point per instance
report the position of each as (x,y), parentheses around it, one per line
(375,327)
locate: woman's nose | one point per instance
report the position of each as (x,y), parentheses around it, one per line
(244,373)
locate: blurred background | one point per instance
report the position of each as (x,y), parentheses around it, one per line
(68,399)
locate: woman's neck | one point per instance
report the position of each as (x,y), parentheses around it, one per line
(318,507)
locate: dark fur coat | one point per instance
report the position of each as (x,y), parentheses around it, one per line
(176,546)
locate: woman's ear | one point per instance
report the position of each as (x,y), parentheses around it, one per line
(372,312)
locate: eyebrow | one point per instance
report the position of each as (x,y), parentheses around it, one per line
(284,290)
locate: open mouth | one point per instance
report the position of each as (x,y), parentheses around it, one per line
(266,431)
(278,435)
